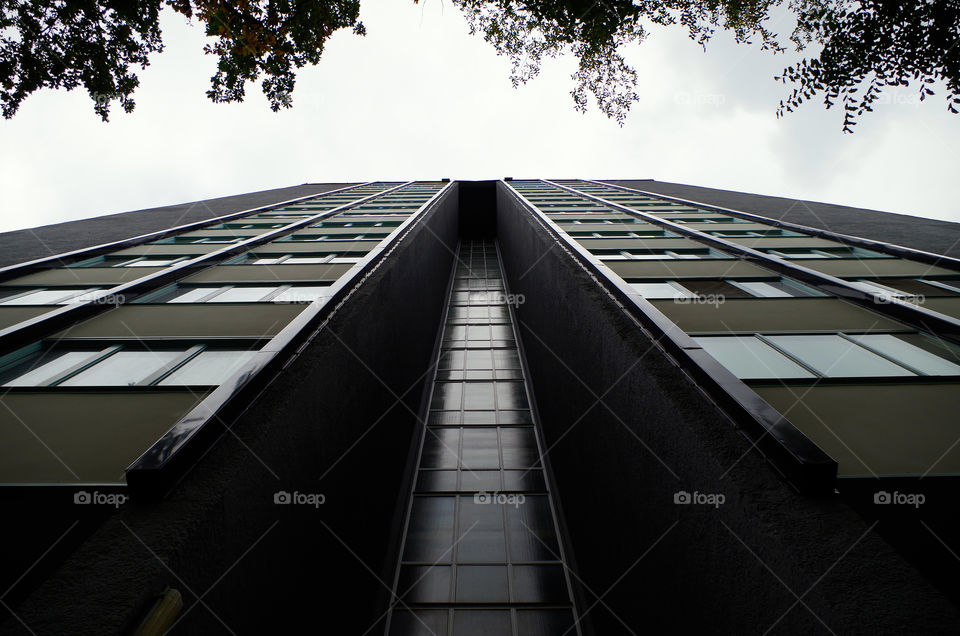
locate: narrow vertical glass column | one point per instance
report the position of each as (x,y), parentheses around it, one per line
(481,553)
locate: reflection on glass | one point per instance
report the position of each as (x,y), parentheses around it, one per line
(44,297)
(303,294)
(124,368)
(188,295)
(242,294)
(835,357)
(211,367)
(910,355)
(662,290)
(48,367)
(750,359)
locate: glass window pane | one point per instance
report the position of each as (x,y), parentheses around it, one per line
(84,297)
(478,396)
(209,368)
(482,537)
(159,262)
(242,295)
(539,584)
(42,297)
(306,260)
(124,368)
(480,449)
(909,354)
(687,255)
(750,358)
(532,533)
(48,366)
(836,357)
(475,622)
(544,622)
(430,531)
(482,584)
(304,294)
(765,290)
(661,290)
(192,295)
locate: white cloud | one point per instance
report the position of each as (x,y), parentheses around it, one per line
(419,98)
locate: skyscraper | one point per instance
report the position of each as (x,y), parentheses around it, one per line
(514,407)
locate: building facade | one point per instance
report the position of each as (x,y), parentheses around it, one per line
(514,407)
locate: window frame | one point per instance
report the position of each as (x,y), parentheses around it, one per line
(187,351)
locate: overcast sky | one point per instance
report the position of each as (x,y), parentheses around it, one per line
(419,98)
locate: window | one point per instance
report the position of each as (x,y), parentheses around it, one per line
(751,359)
(914,357)
(122,365)
(822,252)
(46,296)
(782,288)
(646,255)
(123,368)
(691,288)
(208,368)
(46,369)
(753,233)
(238,294)
(332,238)
(833,355)
(299,258)
(836,357)
(301,294)
(132,261)
(666,289)
(622,234)
(195,240)
(248,226)
(707,219)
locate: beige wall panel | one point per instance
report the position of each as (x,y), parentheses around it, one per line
(176,250)
(686,268)
(774,314)
(871,267)
(82,437)
(775,242)
(246,320)
(18,313)
(269,273)
(84,276)
(288,247)
(883,429)
(948,306)
(638,243)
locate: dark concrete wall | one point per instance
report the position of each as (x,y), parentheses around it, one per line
(929,235)
(47,240)
(283,568)
(626,430)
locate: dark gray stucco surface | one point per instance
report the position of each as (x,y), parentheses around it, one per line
(929,235)
(627,430)
(338,421)
(47,240)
